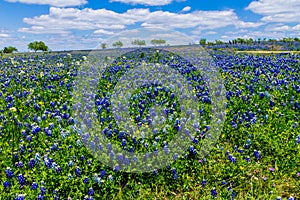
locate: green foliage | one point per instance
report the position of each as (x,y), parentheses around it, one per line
(139,42)
(158,42)
(118,44)
(38,46)
(103,45)
(9,49)
(219,42)
(202,41)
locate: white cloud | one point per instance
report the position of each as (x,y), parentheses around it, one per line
(186,9)
(145,2)
(201,19)
(276,10)
(43,30)
(56,3)
(254,34)
(62,20)
(68,19)
(242,24)
(104,23)
(211,33)
(103,32)
(284,28)
(296,28)
(4,35)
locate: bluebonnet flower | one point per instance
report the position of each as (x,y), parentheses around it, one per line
(232,195)
(123,142)
(43,190)
(37,158)
(70,164)
(117,168)
(102,174)
(257,154)
(248,159)
(54,146)
(223,182)
(34,186)
(20,197)
(174,173)
(297,140)
(231,158)
(86,180)
(6,184)
(28,138)
(214,192)
(21,179)
(78,171)
(155,172)
(22,149)
(203,183)
(88,198)
(192,150)
(9,173)
(175,156)
(91,192)
(20,164)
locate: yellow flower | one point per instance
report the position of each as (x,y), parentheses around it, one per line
(241,168)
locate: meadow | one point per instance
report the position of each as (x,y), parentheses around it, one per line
(257,155)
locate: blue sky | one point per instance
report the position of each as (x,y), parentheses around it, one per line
(84,24)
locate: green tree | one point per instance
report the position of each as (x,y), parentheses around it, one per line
(202,41)
(296,39)
(259,39)
(103,45)
(139,42)
(38,46)
(9,49)
(219,42)
(158,42)
(117,44)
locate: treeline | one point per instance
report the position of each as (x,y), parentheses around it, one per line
(136,42)
(33,46)
(249,41)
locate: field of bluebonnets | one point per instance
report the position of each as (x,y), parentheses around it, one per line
(256,157)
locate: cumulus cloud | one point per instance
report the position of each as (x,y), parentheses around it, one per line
(43,30)
(4,35)
(147,2)
(103,32)
(186,9)
(211,33)
(61,20)
(276,10)
(296,28)
(283,28)
(200,19)
(67,19)
(56,3)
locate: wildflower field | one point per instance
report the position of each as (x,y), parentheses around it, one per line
(257,155)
